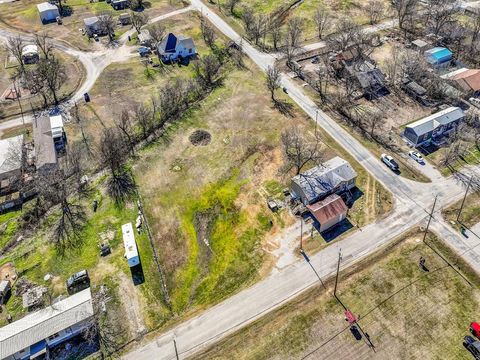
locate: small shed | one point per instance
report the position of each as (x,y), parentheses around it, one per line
(328,212)
(125,19)
(420,45)
(120,4)
(30,54)
(439,56)
(48,12)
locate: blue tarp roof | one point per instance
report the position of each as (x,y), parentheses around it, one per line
(438,55)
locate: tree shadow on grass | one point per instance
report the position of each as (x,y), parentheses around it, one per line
(284,107)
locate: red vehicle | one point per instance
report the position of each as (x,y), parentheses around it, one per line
(475,329)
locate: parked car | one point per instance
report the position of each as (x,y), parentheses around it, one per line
(475,329)
(472,345)
(78,282)
(86,97)
(416,156)
(59,20)
(390,162)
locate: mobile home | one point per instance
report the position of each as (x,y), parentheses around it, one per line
(131,251)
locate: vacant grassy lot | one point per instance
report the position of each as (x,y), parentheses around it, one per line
(284,9)
(23,16)
(399,306)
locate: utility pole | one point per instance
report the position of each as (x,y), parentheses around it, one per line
(464,198)
(338,270)
(430,218)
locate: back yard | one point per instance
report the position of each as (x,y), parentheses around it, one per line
(398,304)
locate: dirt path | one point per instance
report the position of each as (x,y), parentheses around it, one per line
(131,303)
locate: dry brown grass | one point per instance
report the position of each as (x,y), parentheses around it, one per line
(398,304)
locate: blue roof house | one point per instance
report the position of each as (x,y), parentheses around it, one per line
(439,56)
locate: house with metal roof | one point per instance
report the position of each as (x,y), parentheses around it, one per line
(35,334)
(172,48)
(45,153)
(432,127)
(332,177)
(466,80)
(48,12)
(438,56)
(328,212)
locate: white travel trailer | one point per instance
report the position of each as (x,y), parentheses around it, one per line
(131,251)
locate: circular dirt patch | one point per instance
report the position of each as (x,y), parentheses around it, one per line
(200,138)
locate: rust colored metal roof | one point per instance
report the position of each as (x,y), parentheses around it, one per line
(327,209)
(469,80)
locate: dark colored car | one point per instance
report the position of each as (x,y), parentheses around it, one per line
(86,97)
(472,345)
(78,282)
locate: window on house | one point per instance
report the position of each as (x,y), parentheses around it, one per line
(54,336)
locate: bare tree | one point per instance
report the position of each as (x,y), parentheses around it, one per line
(124,124)
(113,155)
(79,120)
(208,32)
(275,31)
(34,81)
(323,20)
(375,10)
(157,32)
(295,31)
(42,40)
(273,80)
(144,117)
(208,71)
(299,150)
(107,24)
(232,4)
(139,19)
(104,328)
(404,9)
(440,13)
(14,47)
(475,29)
(255,24)
(54,74)
(347,32)
(54,189)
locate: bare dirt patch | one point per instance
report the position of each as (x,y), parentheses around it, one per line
(200,138)
(131,304)
(8,272)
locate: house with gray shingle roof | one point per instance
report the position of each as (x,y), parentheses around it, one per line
(332,177)
(176,47)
